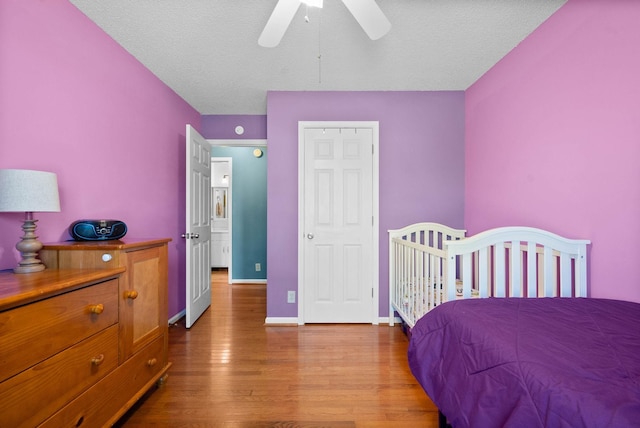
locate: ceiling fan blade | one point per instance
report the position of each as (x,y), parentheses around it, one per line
(369,16)
(278,23)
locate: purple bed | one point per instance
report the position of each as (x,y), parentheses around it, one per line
(517,362)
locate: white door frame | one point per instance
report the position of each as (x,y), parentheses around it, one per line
(374,125)
(234,143)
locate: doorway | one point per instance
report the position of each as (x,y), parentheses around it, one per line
(247,215)
(338,221)
(221,213)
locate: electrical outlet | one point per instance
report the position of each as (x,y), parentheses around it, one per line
(291,296)
(258,267)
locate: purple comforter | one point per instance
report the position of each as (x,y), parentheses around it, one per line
(555,362)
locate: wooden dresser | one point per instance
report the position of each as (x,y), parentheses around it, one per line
(83,340)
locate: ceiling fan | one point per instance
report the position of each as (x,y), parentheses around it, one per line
(366,12)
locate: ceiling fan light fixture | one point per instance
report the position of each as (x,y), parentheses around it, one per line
(366,12)
(313,3)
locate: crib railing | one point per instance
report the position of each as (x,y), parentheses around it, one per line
(418,273)
(430,263)
(517,262)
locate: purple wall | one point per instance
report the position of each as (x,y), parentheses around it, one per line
(222,127)
(73,102)
(421,170)
(553,138)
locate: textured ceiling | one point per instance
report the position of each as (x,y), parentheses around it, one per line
(207,50)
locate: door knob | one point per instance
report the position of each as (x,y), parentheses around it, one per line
(309,235)
(190,235)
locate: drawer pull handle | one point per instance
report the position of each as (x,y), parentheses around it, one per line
(131,294)
(96,361)
(152,362)
(97,309)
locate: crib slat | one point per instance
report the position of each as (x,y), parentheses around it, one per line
(423,278)
(466,275)
(549,278)
(515,284)
(428,278)
(401,278)
(405,281)
(425,281)
(419,294)
(499,270)
(483,273)
(565,275)
(532,269)
(414,288)
(451,278)
(581,274)
(394,283)
(437,279)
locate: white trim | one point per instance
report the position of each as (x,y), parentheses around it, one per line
(375,275)
(248,281)
(300,253)
(375,262)
(238,143)
(281,320)
(385,320)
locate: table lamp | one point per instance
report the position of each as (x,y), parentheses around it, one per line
(28,191)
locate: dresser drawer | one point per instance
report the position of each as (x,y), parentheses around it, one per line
(49,326)
(106,401)
(80,259)
(31,396)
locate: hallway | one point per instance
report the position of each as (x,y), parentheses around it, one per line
(230,370)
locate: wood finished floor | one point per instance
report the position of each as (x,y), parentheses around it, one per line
(230,370)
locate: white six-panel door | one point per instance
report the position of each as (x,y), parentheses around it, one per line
(198,225)
(338,222)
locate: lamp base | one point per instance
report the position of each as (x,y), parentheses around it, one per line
(29,247)
(29,269)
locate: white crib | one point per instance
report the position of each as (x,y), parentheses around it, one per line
(430,263)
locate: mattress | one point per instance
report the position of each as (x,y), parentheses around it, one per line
(517,362)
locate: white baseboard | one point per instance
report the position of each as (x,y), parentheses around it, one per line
(281,321)
(385,320)
(248,281)
(294,321)
(174,319)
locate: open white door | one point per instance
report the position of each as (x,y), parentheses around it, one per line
(198,222)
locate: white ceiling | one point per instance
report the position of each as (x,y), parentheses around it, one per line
(207,50)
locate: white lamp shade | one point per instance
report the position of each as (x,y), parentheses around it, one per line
(24,190)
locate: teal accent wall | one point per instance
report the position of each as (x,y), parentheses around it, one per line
(249,210)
